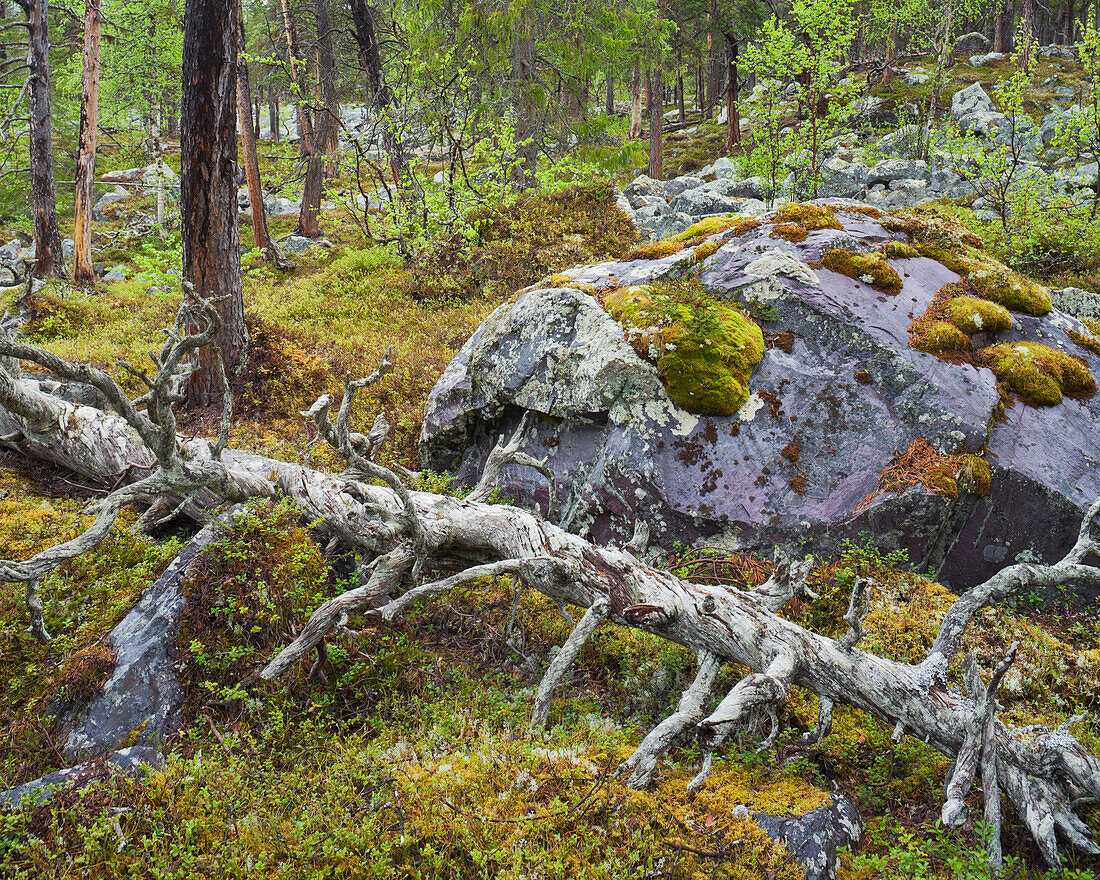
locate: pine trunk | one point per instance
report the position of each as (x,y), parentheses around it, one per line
(260,236)
(305,126)
(309,219)
(523,81)
(208,186)
(656,124)
(733,120)
(83,269)
(49,259)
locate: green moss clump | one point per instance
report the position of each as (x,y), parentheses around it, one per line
(808,216)
(975,475)
(1089,343)
(973,315)
(1013,291)
(710,225)
(655,250)
(1041,375)
(870,268)
(935,337)
(704,349)
(795,232)
(706,249)
(899,250)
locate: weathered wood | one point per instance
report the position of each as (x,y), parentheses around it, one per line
(83,269)
(1046,775)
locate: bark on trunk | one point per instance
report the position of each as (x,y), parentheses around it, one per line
(1046,774)
(1027,33)
(609,96)
(305,125)
(260,236)
(309,218)
(733,120)
(208,185)
(49,259)
(656,91)
(523,105)
(636,88)
(326,85)
(83,269)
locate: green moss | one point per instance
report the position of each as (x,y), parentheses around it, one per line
(810,217)
(655,250)
(1041,375)
(710,225)
(975,475)
(936,337)
(794,232)
(899,250)
(973,315)
(1012,291)
(704,349)
(870,268)
(1089,343)
(706,249)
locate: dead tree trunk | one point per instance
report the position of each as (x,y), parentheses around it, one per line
(636,89)
(305,125)
(83,270)
(1047,775)
(309,218)
(260,236)
(208,187)
(49,259)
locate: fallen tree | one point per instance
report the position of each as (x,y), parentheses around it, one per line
(132,448)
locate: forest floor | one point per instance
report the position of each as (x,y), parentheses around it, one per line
(414,759)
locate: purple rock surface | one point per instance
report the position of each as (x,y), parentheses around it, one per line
(850,391)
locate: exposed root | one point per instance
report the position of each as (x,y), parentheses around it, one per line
(563,662)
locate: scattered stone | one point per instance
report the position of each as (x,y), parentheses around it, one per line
(296,244)
(132,761)
(118,273)
(816,839)
(972,42)
(983,60)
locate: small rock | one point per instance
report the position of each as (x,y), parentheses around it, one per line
(296,244)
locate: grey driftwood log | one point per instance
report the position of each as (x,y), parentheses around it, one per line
(399,533)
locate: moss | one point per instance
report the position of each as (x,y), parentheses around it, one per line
(973,315)
(793,232)
(975,475)
(655,250)
(1093,324)
(1039,374)
(1089,343)
(865,210)
(705,250)
(899,250)
(809,216)
(1012,291)
(935,337)
(706,226)
(704,349)
(870,268)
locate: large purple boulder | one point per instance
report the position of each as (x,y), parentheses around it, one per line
(843,385)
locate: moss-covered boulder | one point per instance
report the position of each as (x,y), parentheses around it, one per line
(700,441)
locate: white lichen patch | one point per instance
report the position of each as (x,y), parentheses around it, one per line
(751,407)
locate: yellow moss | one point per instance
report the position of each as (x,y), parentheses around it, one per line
(899,250)
(870,268)
(738,223)
(865,210)
(975,475)
(704,349)
(1093,325)
(706,249)
(1012,291)
(1041,375)
(935,337)
(808,216)
(793,232)
(655,250)
(973,315)
(1089,343)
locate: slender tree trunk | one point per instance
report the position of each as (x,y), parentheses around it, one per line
(945,51)
(656,124)
(379,95)
(305,126)
(326,84)
(309,219)
(208,186)
(273,110)
(682,110)
(636,102)
(49,259)
(83,269)
(260,235)
(523,105)
(609,96)
(891,54)
(1027,34)
(733,119)
(999,28)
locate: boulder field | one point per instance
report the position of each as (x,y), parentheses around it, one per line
(847,427)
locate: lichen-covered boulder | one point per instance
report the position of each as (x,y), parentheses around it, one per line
(816,839)
(847,427)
